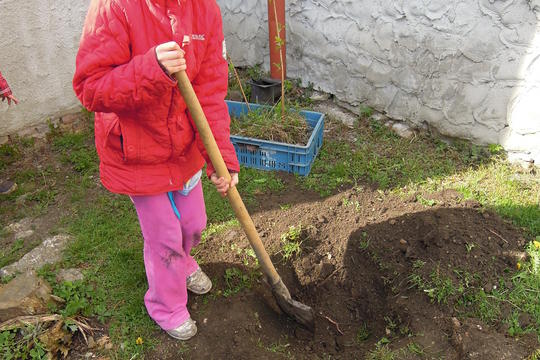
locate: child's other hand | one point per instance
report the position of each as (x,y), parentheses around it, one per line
(171,57)
(9,99)
(222,185)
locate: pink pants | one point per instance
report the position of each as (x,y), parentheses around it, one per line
(167,245)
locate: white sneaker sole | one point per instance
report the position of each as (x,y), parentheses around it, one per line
(201,292)
(183,335)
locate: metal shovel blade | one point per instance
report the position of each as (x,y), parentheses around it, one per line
(300,312)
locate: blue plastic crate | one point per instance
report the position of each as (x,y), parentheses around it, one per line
(271,155)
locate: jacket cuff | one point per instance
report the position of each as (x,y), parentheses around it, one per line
(210,169)
(163,76)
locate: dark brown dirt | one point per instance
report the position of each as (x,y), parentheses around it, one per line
(359,249)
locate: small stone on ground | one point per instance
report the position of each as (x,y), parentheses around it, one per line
(71,275)
(24,295)
(21,225)
(49,252)
(403,130)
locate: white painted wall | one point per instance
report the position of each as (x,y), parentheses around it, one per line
(38,43)
(468,68)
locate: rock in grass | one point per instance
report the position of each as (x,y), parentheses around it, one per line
(71,275)
(319,96)
(26,294)
(24,234)
(403,130)
(49,252)
(19,226)
(334,111)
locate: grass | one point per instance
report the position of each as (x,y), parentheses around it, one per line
(280,348)
(252,183)
(24,344)
(13,253)
(9,153)
(382,351)
(416,349)
(362,334)
(470,301)
(108,243)
(236,281)
(427,165)
(379,156)
(509,190)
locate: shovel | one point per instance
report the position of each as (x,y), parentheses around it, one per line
(300,312)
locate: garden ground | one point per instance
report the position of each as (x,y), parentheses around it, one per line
(405,249)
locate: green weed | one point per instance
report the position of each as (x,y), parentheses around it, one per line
(424,201)
(291,241)
(218,228)
(535,355)
(236,281)
(442,289)
(469,247)
(438,288)
(364,244)
(366,112)
(9,153)
(362,334)
(495,149)
(381,351)
(255,72)
(416,349)
(515,328)
(22,344)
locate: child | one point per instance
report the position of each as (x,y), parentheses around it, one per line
(146,140)
(6,186)
(5,91)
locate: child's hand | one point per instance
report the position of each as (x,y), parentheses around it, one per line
(222,185)
(171,57)
(9,99)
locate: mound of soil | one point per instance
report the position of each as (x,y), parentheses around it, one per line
(359,250)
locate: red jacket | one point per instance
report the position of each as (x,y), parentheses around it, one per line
(5,91)
(145,139)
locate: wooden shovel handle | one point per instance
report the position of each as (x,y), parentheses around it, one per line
(221,169)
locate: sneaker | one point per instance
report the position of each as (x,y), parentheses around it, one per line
(198,282)
(7,187)
(185,331)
